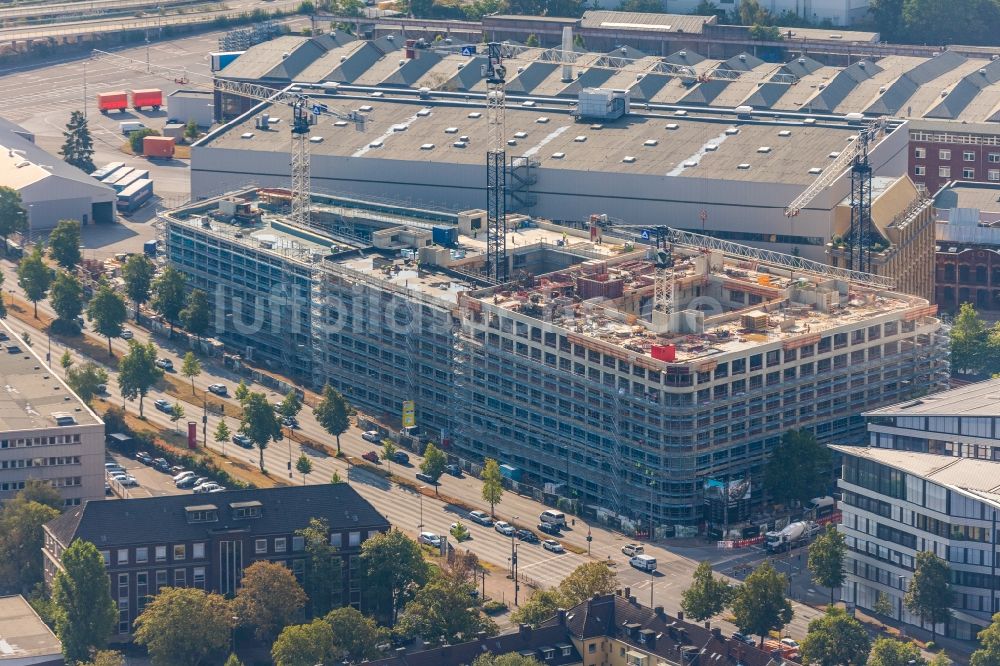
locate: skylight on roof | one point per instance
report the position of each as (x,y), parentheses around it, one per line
(743,166)
(673,126)
(650,142)
(628,159)
(580,139)
(558,156)
(520,135)
(785,133)
(541,120)
(475,114)
(451,130)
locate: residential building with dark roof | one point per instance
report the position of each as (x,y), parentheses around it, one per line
(610,630)
(206,541)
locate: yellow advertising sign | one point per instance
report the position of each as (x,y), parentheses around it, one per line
(409,415)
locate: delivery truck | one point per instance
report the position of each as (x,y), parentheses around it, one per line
(157,146)
(151,97)
(112,101)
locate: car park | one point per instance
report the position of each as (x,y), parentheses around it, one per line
(144,458)
(632,549)
(454,470)
(242,440)
(481,517)
(218,389)
(429,539)
(504,528)
(527,536)
(371,436)
(553,546)
(165,364)
(550,528)
(401,458)
(164,406)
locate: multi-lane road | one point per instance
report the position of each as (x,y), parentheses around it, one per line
(409,510)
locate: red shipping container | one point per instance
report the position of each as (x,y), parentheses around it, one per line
(151,97)
(158,146)
(112,101)
(192,434)
(666,353)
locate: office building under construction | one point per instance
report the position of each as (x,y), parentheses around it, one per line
(623,377)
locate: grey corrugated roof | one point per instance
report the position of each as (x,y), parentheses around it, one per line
(767,95)
(467,77)
(903,88)
(686,57)
(531,77)
(841,85)
(801,66)
(743,62)
(280,59)
(680,23)
(646,88)
(591,78)
(626,52)
(705,92)
(965,91)
(412,70)
(163,519)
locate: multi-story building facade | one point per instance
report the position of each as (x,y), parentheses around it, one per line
(962,422)
(941,151)
(899,503)
(46,432)
(967,260)
(569,374)
(206,541)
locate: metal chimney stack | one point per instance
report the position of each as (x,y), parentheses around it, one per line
(567,54)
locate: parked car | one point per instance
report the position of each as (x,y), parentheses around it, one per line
(371,436)
(165,363)
(553,546)
(161,464)
(218,389)
(206,487)
(632,549)
(481,517)
(204,481)
(164,406)
(125,334)
(242,440)
(550,528)
(430,539)
(426,478)
(504,528)
(107,489)
(372,457)
(791,642)
(129,480)
(144,458)
(737,636)
(113,467)
(454,470)
(527,536)
(176,469)
(401,458)
(119,476)
(218,489)
(191,481)
(180,476)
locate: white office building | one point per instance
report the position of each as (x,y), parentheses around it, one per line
(899,503)
(46,431)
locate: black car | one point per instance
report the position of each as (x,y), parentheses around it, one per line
(426,478)
(527,536)
(743,639)
(454,470)
(144,458)
(161,464)
(550,528)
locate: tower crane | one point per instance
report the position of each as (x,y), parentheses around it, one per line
(495,74)
(304,114)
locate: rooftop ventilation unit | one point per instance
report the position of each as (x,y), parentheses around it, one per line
(399,128)
(541,120)
(375,144)
(366,108)
(809,121)
(596,127)
(511,142)
(785,133)
(427,146)
(423,113)
(764,149)
(558,156)
(315,139)
(460,144)
(802,61)
(730,131)
(451,130)
(475,114)
(682,54)
(628,159)
(711,148)
(743,166)
(835,154)
(340,123)
(580,139)
(246,135)
(672,126)
(528,103)
(464,138)
(378,94)
(690,164)
(650,142)
(520,135)
(680,112)
(815,171)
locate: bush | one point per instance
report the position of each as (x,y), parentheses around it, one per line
(931,646)
(494,607)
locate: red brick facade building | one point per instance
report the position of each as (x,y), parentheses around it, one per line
(942,151)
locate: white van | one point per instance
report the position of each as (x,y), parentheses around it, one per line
(130,126)
(643,562)
(553,517)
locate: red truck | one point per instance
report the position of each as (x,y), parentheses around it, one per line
(112,101)
(151,97)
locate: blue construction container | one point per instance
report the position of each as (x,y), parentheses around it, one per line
(444,236)
(512,473)
(149,249)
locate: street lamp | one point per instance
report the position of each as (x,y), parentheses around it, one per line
(232,636)
(589,539)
